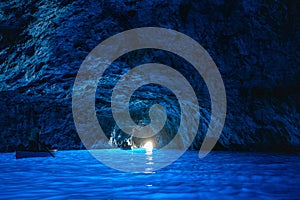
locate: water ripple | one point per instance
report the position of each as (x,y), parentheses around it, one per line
(226,175)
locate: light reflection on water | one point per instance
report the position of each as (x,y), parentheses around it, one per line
(137,160)
(226,175)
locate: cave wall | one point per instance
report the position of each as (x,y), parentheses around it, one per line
(254,44)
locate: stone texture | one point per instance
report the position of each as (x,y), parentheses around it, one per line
(254,44)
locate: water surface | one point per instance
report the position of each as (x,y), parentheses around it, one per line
(225,175)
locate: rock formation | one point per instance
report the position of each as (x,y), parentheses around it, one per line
(255,46)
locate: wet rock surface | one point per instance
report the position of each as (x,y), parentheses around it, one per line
(255,46)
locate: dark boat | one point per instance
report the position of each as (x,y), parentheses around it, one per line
(31,154)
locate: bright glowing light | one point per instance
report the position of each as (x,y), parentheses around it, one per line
(148,146)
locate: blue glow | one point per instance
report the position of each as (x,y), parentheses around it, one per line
(76,174)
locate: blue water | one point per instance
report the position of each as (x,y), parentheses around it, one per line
(221,175)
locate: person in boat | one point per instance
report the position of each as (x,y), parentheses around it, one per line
(34,139)
(125,145)
(21,147)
